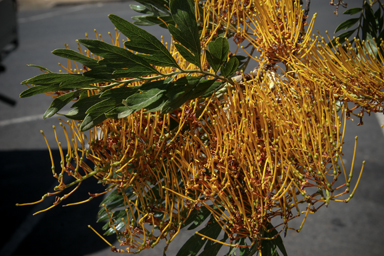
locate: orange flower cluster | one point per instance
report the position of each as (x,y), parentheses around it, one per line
(262,151)
(254,152)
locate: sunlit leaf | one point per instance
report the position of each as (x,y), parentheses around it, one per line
(230,67)
(353,11)
(144,42)
(347,24)
(118,57)
(59,102)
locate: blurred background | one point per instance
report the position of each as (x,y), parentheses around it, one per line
(34,28)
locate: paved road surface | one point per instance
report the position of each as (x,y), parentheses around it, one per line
(342,229)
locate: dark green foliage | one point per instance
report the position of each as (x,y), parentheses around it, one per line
(112,202)
(197,217)
(218,53)
(143,42)
(163,95)
(196,242)
(80,107)
(368,26)
(152,10)
(59,103)
(40,67)
(72,55)
(269,247)
(186,33)
(347,24)
(230,67)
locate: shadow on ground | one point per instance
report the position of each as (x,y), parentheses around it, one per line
(25,177)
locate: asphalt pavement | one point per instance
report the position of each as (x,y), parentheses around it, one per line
(341,229)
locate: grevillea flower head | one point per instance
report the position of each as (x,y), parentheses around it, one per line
(265,147)
(261,152)
(133,157)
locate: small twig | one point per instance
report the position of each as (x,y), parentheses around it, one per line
(339,2)
(306,10)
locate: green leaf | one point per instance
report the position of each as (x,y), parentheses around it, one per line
(73,55)
(254,249)
(242,62)
(77,81)
(182,38)
(195,243)
(269,247)
(144,42)
(219,48)
(65,82)
(37,90)
(346,24)
(188,56)
(370,45)
(167,19)
(96,114)
(40,67)
(102,106)
(112,202)
(218,53)
(120,93)
(213,62)
(149,20)
(214,87)
(353,11)
(142,100)
(186,32)
(158,4)
(105,73)
(369,21)
(148,95)
(140,8)
(381,35)
(110,105)
(118,57)
(46,79)
(184,89)
(137,71)
(59,102)
(92,120)
(198,218)
(81,106)
(379,20)
(244,251)
(192,246)
(183,13)
(143,21)
(230,67)
(119,112)
(213,248)
(156,106)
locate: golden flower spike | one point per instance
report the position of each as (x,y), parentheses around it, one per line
(261,151)
(266,147)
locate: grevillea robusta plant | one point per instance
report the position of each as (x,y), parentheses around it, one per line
(183,138)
